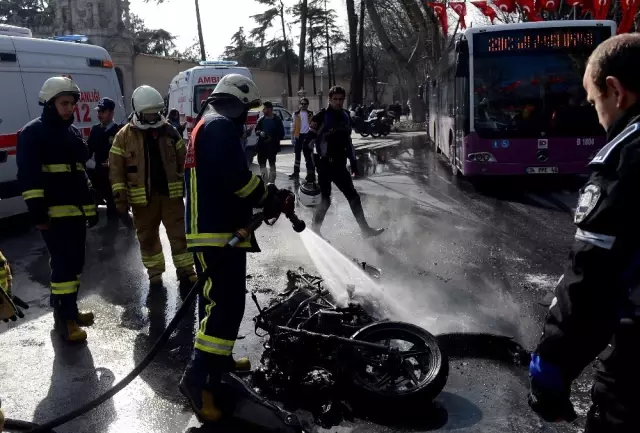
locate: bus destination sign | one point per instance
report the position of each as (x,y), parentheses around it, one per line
(541,39)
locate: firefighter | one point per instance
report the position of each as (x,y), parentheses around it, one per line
(146,172)
(99,142)
(596,309)
(301,121)
(331,130)
(221,195)
(51,158)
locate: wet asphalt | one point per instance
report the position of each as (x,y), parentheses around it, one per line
(472,262)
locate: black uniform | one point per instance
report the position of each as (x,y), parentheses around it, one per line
(51,158)
(331,130)
(99,143)
(596,311)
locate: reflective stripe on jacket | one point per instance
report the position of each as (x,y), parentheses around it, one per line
(128,167)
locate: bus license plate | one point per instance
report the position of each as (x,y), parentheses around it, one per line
(542,170)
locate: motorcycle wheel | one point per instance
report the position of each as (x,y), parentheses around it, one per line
(385,130)
(364,133)
(416,374)
(375,133)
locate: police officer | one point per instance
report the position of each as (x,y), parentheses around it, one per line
(221,195)
(146,170)
(51,158)
(596,310)
(331,130)
(99,142)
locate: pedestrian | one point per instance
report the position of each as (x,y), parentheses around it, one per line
(174,120)
(146,170)
(331,131)
(51,159)
(99,142)
(221,195)
(301,120)
(270,131)
(596,309)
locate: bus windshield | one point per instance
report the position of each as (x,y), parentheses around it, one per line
(200,94)
(532,95)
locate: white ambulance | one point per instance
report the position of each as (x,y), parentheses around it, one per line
(25,64)
(190,88)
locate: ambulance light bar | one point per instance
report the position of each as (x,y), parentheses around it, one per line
(218,63)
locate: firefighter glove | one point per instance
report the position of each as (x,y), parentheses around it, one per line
(11,306)
(273,203)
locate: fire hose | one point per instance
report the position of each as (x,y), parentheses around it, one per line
(240,236)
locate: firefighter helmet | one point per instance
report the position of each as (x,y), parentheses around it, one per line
(309,194)
(146,99)
(57,86)
(240,87)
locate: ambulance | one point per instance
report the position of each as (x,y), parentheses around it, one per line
(25,64)
(190,88)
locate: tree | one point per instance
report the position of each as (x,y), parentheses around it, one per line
(203,53)
(303,41)
(352,19)
(265,21)
(27,13)
(150,41)
(242,50)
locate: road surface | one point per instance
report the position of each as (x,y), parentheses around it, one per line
(456,257)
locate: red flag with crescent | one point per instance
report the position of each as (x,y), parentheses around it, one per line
(528,8)
(485,9)
(461,9)
(548,5)
(507,6)
(440,9)
(629,10)
(601,9)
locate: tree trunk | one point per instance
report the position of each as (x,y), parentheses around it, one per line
(361,53)
(303,42)
(287,69)
(203,53)
(352,19)
(404,64)
(313,65)
(326,28)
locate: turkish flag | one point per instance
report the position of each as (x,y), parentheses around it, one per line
(485,9)
(601,9)
(629,10)
(440,9)
(529,9)
(548,5)
(461,9)
(507,6)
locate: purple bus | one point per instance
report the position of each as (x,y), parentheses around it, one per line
(508,99)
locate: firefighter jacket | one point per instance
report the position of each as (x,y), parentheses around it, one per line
(297,122)
(51,158)
(600,289)
(130,160)
(221,190)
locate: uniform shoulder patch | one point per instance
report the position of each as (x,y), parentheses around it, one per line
(630,132)
(111,139)
(587,202)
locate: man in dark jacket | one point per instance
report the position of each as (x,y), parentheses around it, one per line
(331,131)
(51,158)
(100,140)
(596,310)
(270,131)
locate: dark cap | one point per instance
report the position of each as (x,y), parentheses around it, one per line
(106,104)
(267,104)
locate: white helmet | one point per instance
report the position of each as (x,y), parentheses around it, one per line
(240,87)
(146,99)
(309,194)
(57,86)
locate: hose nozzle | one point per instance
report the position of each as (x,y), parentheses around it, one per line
(297,223)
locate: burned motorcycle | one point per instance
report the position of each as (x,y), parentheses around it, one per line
(327,358)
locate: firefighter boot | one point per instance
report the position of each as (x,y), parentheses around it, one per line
(85,318)
(155,280)
(68,329)
(200,384)
(241,364)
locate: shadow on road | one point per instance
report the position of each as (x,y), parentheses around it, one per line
(75,381)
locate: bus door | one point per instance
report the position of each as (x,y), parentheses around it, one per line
(461,101)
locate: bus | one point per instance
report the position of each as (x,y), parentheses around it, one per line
(508,99)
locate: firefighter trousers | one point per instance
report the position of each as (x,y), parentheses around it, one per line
(147,219)
(221,302)
(65,240)
(335,172)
